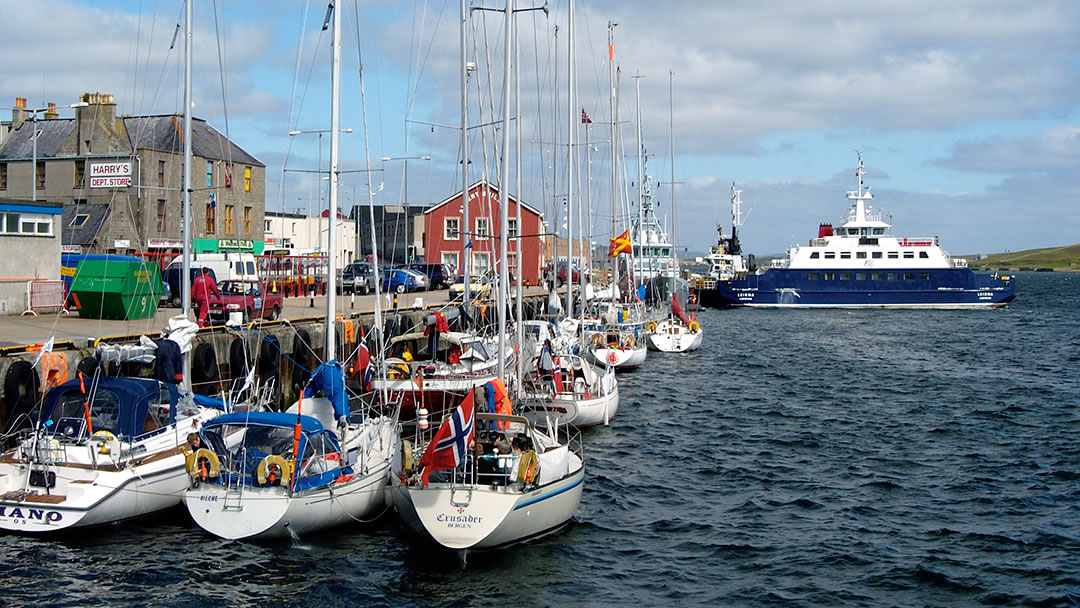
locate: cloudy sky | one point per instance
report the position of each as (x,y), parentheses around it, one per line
(966,112)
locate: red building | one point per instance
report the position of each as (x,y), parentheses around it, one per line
(444,234)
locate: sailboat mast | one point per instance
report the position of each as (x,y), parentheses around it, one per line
(464,234)
(640,187)
(335,136)
(185,282)
(614,155)
(671,134)
(517,193)
(570,117)
(504,183)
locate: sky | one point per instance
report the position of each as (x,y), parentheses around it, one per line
(965,112)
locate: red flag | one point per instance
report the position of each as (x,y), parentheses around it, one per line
(620,244)
(449,445)
(363,363)
(585,120)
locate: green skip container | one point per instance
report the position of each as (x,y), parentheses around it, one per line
(124,291)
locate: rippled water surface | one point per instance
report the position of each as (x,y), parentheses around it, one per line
(801,458)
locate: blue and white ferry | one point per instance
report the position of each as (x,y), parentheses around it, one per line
(863,265)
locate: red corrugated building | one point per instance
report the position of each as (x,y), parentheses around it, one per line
(444,233)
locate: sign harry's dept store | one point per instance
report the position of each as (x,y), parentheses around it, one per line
(110,175)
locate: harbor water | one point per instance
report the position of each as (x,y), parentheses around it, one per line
(799,458)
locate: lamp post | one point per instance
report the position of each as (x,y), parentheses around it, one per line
(405,190)
(319,132)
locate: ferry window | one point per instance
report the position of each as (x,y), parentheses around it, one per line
(879,231)
(860,255)
(908,255)
(876,255)
(923,255)
(860,276)
(830,276)
(830,255)
(845,255)
(909,276)
(924,276)
(814,255)
(875,276)
(892,276)
(845,276)
(813,276)
(893,255)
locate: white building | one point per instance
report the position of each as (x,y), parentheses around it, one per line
(306,235)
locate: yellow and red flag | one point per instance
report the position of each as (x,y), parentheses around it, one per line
(620,244)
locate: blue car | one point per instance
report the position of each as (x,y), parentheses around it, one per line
(396,279)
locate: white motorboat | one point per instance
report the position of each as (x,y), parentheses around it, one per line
(674,336)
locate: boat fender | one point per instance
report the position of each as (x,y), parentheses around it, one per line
(528,468)
(651,326)
(202,464)
(204,367)
(406,456)
(238,358)
(274,469)
(269,355)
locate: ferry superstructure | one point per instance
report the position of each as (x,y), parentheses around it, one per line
(862,264)
(654,255)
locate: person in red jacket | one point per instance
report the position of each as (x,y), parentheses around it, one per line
(201,289)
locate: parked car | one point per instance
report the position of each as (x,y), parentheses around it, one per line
(398,280)
(248,297)
(560,275)
(479,286)
(440,276)
(422,282)
(358,277)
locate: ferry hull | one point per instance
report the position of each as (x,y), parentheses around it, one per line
(794,288)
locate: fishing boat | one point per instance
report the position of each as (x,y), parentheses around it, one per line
(487,480)
(861,264)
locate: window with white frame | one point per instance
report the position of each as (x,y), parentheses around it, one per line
(451,228)
(26,224)
(511,263)
(511,228)
(481,263)
(483,226)
(452,259)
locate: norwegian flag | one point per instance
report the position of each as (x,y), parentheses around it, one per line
(447,449)
(363,363)
(585,120)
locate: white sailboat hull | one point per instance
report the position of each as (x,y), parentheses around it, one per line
(672,337)
(619,358)
(575,410)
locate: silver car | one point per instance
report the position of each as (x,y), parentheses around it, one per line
(422,282)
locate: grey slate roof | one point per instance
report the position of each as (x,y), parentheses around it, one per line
(20,143)
(85,234)
(164,133)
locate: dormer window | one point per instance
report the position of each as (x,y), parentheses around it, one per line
(79,220)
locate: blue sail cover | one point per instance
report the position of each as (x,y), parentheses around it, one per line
(330,379)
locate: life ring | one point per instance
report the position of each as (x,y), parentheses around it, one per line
(628,342)
(612,358)
(671,263)
(203,463)
(266,473)
(528,467)
(107,441)
(651,326)
(397,371)
(694,327)
(598,339)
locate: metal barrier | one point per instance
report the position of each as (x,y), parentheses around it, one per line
(42,295)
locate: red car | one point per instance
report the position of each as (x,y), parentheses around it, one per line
(248,297)
(560,277)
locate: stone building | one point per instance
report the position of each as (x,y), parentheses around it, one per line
(120,179)
(30,242)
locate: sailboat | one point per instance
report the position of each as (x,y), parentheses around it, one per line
(488,478)
(314,466)
(106,449)
(677,333)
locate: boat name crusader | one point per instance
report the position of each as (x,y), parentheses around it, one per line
(861,264)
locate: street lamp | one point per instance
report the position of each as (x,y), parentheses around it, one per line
(320,132)
(405,191)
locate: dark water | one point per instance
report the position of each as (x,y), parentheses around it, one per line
(800,458)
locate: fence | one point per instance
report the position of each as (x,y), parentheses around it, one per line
(42,295)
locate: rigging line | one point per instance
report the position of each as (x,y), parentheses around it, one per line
(305,9)
(227,142)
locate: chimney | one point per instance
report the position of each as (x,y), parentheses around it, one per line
(95,122)
(51,114)
(18,113)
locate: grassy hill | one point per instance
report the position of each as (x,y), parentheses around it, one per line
(1058,258)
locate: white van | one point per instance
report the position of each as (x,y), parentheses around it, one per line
(230,265)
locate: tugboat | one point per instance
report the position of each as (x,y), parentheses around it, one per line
(725,260)
(862,265)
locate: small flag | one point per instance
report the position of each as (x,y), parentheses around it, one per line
(585,120)
(363,363)
(448,448)
(213,201)
(620,244)
(469,244)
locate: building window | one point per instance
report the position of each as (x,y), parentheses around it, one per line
(79,220)
(211,219)
(3,176)
(266,225)
(80,172)
(209,173)
(512,228)
(230,226)
(451,228)
(511,263)
(451,259)
(162,215)
(41,175)
(247,220)
(161,174)
(26,224)
(483,227)
(247,179)
(481,263)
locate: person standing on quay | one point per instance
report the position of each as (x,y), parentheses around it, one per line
(201,289)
